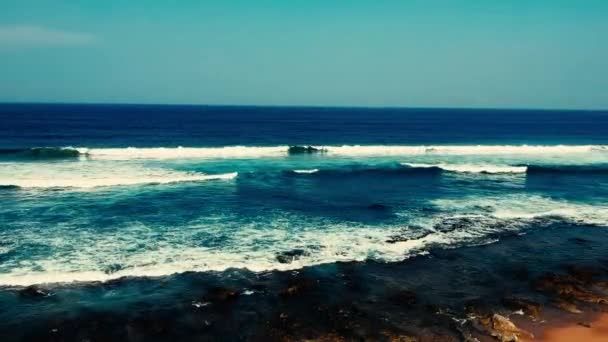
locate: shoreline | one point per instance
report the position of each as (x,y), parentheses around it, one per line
(595,330)
(484,293)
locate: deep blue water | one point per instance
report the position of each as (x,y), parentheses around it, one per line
(96,193)
(32,125)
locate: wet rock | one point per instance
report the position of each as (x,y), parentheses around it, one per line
(113,268)
(297,287)
(582,274)
(394,337)
(331,337)
(33,292)
(566,306)
(221,294)
(290,256)
(529,308)
(407,235)
(432,337)
(602,285)
(294,150)
(568,288)
(404,297)
(500,327)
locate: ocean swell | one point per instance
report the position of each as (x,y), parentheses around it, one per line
(278,151)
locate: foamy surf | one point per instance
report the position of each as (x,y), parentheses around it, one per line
(83,182)
(471,168)
(345,150)
(256,246)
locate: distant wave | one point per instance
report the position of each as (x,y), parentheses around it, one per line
(598,169)
(99,181)
(472,168)
(306,171)
(435,168)
(277,151)
(43,153)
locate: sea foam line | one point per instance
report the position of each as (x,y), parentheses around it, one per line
(345,150)
(83,182)
(471,168)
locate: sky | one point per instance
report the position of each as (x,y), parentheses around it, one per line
(423,53)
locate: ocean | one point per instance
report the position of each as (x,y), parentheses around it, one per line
(157,222)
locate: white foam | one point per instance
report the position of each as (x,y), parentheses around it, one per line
(91,175)
(252,246)
(510,207)
(182,152)
(79,255)
(345,150)
(472,168)
(356,150)
(306,171)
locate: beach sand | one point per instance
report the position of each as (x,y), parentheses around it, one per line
(597,331)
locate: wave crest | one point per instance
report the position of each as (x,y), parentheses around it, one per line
(111,180)
(278,151)
(471,168)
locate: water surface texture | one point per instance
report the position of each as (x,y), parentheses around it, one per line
(97,192)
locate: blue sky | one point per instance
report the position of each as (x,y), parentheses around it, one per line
(518,53)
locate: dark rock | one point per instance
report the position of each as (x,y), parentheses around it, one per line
(290,256)
(404,297)
(379,207)
(221,294)
(567,287)
(566,306)
(33,292)
(294,150)
(407,235)
(297,287)
(582,274)
(584,324)
(113,268)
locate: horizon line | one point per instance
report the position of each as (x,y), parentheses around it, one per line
(398,107)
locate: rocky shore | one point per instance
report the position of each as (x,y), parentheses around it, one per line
(507,291)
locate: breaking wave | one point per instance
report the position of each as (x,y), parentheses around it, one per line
(472,168)
(270,245)
(278,151)
(83,182)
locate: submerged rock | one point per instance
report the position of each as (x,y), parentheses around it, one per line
(566,306)
(529,308)
(221,294)
(567,287)
(297,287)
(379,207)
(288,257)
(33,292)
(113,268)
(404,297)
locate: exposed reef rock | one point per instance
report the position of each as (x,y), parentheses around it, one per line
(294,150)
(528,307)
(500,327)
